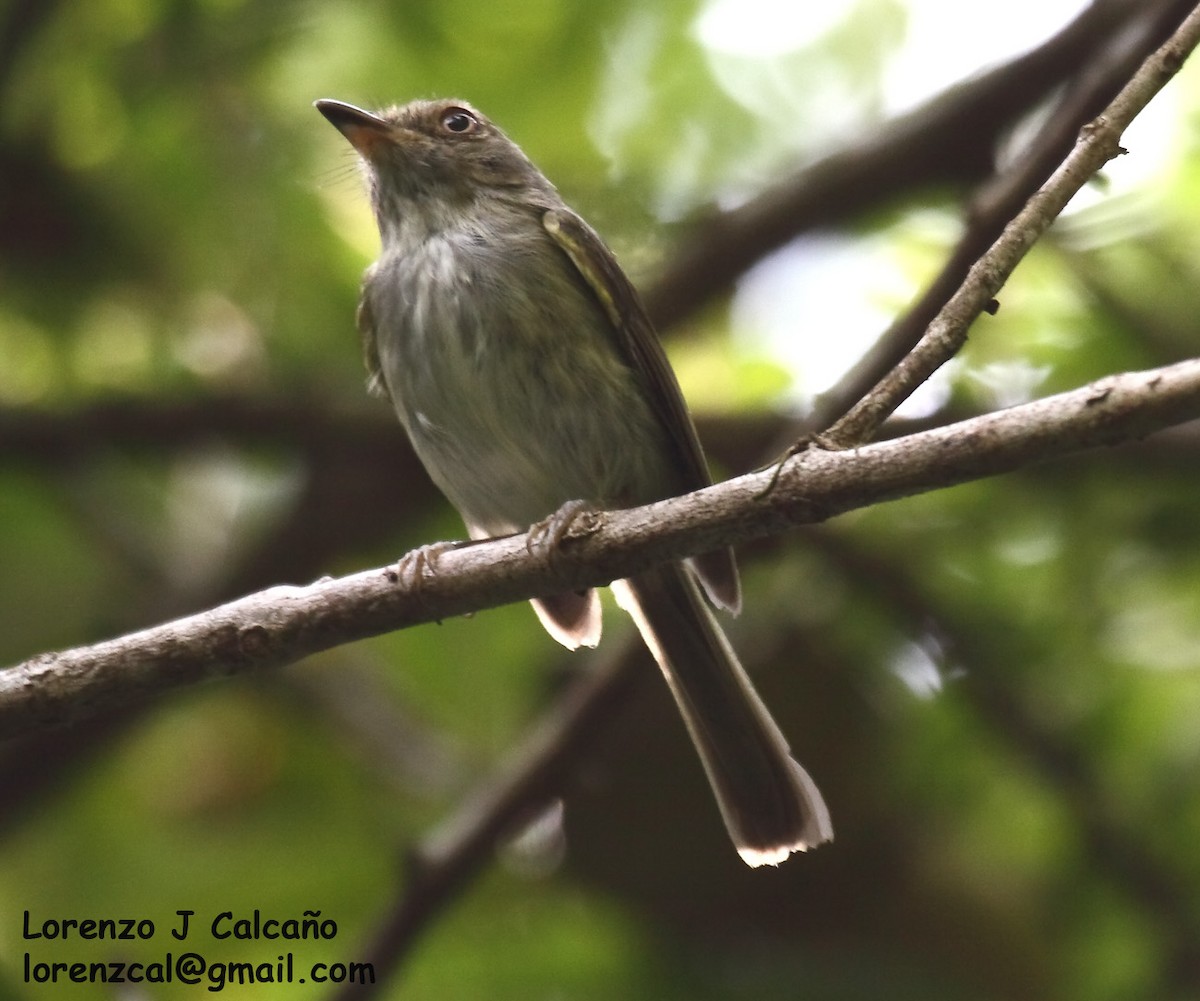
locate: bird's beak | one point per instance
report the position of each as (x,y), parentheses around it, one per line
(364,130)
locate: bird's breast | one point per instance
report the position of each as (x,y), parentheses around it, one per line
(509,380)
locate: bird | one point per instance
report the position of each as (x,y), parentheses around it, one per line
(523,366)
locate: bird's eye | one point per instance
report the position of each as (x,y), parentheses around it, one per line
(459,121)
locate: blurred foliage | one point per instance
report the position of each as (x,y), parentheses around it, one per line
(996,686)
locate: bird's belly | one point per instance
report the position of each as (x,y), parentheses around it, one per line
(514,415)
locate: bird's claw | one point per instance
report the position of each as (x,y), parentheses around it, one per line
(575,519)
(419,565)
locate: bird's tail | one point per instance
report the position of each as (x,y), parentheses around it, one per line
(770,804)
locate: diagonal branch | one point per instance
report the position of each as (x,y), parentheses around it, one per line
(1002,197)
(1098,143)
(283,624)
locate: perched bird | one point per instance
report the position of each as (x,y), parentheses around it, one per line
(522,364)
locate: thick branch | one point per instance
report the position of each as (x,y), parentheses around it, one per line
(283,624)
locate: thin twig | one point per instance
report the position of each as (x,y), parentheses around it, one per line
(1098,143)
(998,201)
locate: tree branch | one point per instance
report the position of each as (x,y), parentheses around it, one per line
(1098,143)
(1001,198)
(283,624)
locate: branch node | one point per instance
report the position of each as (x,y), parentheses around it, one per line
(793,450)
(254,641)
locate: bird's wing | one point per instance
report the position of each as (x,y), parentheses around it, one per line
(639,344)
